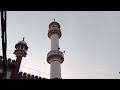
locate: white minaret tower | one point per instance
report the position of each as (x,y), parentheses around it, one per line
(55,57)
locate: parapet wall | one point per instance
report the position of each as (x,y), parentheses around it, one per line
(12,65)
(24,75)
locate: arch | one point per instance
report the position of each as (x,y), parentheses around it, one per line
(22,47)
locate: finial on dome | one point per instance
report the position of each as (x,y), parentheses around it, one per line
(54,19)
(23,38)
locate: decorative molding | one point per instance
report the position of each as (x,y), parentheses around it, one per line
(55,54)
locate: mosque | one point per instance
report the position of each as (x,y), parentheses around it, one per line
(55,57)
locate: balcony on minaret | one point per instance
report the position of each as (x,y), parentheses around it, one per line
(55,54)
(54,28)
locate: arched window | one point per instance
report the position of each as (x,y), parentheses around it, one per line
(54,25)
(21,47)
(18,47)
(24,48)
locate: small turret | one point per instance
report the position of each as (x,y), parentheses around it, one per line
(20,52)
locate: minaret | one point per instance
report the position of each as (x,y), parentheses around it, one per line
(21,48)
(55,56)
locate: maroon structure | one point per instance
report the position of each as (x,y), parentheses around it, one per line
(14,65)
(21,48)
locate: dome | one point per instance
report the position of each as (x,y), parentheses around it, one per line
(22,42)
(55,23)
(21,45)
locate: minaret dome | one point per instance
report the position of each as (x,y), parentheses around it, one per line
(21,45)
(54,23)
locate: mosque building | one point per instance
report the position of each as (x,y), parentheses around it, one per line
(55,57)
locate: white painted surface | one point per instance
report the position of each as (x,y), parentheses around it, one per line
(55,69)
(8,74)
(54,42)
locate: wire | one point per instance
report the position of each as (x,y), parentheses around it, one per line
(35,70)
(28,67)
